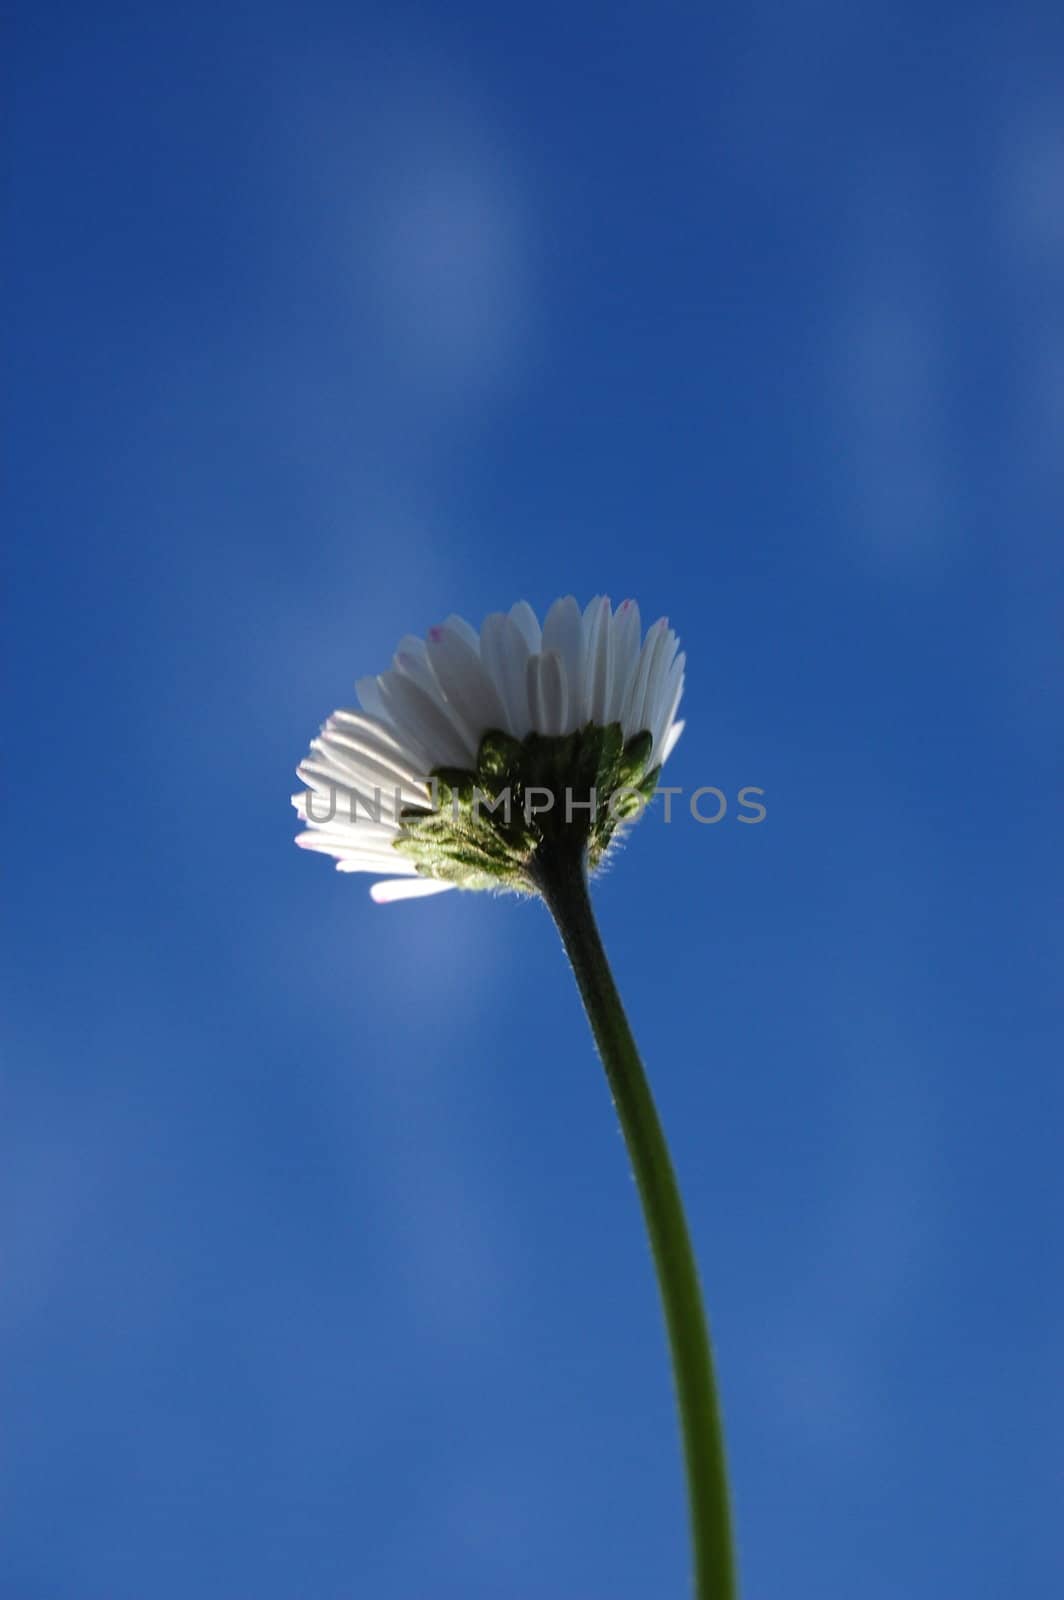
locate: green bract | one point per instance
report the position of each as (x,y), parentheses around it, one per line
(491,826)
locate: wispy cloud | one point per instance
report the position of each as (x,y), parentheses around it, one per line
(894,464)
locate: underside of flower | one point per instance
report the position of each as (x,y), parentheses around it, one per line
(494,826)
(476,754)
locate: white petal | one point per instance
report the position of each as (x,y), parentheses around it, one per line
(527,625)
(370,699)
(546,693)
(626,640)
(465,631)
(598,659)
(349,860)
(354,767)
(344,802)
(672,739)
(668,702)
(338,830)
(470,692)
(657,679)
(633,717)
(389,890)
(364,856)
(412,659)
(363,726)
(425,721)
(322,781)
(535,698)
(651,684)
(563,634)
(374,868)
(504,652)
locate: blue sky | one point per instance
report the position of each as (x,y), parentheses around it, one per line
(323,1271)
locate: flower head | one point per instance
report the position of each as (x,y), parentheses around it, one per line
(476,753)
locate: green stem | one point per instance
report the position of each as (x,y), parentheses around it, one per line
(562,880)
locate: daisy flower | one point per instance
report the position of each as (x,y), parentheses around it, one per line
(511,758)
(476,751)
